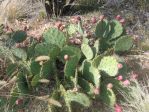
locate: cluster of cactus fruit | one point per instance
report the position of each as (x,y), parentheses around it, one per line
(80,72)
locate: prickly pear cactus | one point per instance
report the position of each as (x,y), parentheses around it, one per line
(55,37)
(47,49)
(116,29)
(22,83)
(108,96)
(71,51)
(79,73)
(87,51)
(19,53)
(70,66)
(80,29)
(19,36)
(90,73)
(109,65)
(72,28)
(86,86)
(14,95)
(123,44)
(102,29)
(76,97)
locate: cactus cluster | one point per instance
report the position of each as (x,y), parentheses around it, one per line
(80,73)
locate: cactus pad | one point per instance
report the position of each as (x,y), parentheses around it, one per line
(116,29)
(108,97)
(87,51)
(108,65)
(90,73)
(55,37)
(71,51)
(123,44)
(19,53)
(70,66)
(77,97)
(19,36)
(47,49)
(86,86)
(71,29)
(102,29)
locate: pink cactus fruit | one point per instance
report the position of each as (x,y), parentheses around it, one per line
(118,17)
(120,66)
(117,108)
(120,77)
(126,82)
(122,21)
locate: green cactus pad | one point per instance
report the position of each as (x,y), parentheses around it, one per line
(102,29)
(116,29)
(22,83)
(96,61)
(35,68)
(123,44)
(85,40)
(108,96)
(86,86)
(47,49)
(80,28)
(96,46)
(71,51)
(90,73)
(14,96)
(11,69)
(70,66)
(77,97)
(108,65)
(55,37)
(87,51)
(19,36)
(72,29)
(19,53)
(3,101)
(47,69)
(35,80)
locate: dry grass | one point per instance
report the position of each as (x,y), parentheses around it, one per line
(138,99)
(14,9)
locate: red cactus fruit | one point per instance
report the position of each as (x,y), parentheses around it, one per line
(78,18)
(77,41)
(61,28)
(19,101)
(18,45)
(93,20)
(58,24)
(118,17)
(120,77)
